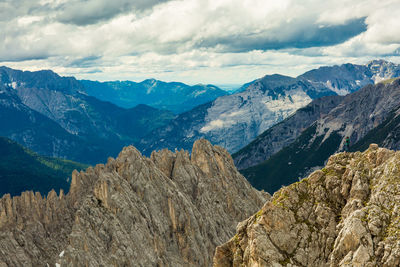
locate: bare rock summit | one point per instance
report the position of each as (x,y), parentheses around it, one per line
(171,209)
(346,214)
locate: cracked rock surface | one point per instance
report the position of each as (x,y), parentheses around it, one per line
(171,209)
(347,214)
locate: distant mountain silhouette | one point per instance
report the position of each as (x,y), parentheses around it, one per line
(174,96)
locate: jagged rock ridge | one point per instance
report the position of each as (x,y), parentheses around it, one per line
(171,209)
(346,214)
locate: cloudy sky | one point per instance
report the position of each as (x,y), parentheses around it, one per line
(195,41)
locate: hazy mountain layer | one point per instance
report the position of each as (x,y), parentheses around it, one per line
(173,96)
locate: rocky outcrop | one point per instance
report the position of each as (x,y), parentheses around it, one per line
(346,214)
(171,209)
(34,229)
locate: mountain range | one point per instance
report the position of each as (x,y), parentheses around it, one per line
(53,116)
(180,209)
(368,115)
(233,121)
(174,96)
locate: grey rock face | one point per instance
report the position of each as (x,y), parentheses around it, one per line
(284,133)
(361,111)
(348,78)
(170,210)
(343,215)
(34,130)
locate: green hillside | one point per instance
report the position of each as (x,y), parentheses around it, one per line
(292,162)
(22,169)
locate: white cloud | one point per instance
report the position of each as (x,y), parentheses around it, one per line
(219,41)
(381,39)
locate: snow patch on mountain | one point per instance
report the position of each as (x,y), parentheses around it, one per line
(215,124)
(199,93)
(338,91)
(378,79)
(294,100)
(383,70)
(224,120)
(14,85)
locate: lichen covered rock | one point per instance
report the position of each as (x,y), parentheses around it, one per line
(347,214)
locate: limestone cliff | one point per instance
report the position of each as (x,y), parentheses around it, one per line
(347,214)
(171,209)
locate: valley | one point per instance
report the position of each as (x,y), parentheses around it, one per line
(199,133)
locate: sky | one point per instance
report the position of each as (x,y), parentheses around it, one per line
(195,41)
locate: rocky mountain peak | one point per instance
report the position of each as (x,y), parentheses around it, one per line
(343,215)
(382,70)
(169,209)
(211,159)
(378,62)
(43,79)
(272,84)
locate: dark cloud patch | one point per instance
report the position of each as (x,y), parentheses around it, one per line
(23,56)
(90,71)
(10,9)
(88,12)
(395,52)
(291,35)
(85,62)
